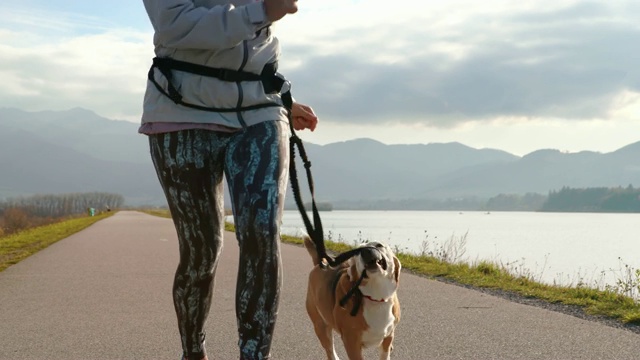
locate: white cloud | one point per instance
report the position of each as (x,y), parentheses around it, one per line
(38,20)
(626,107)
(566,59)
(104,72)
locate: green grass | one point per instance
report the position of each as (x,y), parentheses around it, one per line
(484,274)
(157,212)
(18,246)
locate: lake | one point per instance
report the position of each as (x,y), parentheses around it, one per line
(561,248)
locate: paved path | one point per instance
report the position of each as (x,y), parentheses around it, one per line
(104,293)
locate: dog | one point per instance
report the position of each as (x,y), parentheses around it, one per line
(377,306)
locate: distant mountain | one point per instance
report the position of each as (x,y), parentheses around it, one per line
(30,166)
(79,151)
(84,131)
(364,169)
(367,169)
(59,152)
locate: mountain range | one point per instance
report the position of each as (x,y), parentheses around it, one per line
(78,151)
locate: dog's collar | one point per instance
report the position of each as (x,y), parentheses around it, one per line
(376,300)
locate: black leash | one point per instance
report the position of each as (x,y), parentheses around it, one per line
(314,229)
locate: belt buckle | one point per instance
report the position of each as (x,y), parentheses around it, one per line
(227,75)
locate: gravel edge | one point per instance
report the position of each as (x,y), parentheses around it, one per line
(572,310)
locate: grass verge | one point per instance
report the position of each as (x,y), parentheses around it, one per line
(488,275)
(18,246)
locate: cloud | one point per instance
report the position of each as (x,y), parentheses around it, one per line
(436,64)
(572,62)
(35,20)
(105,72)
(73,55)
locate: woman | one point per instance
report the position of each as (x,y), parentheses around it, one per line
(214,107)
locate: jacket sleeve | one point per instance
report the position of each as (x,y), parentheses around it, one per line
(179,24)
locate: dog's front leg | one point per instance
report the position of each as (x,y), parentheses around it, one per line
(386,347)
(325,335)
(353,346)
(323,331)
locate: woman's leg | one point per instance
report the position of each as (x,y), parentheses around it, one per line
(257,164)
(189,165)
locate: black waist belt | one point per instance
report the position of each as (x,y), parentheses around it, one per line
(272,84)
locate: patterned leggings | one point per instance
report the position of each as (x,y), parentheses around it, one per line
(190,165)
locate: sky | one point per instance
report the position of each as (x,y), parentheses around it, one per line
(511,75)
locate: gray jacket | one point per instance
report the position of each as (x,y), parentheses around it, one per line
(230,34)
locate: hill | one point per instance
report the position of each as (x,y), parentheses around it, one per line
(77,151)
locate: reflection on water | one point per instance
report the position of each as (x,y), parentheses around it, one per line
(565,248)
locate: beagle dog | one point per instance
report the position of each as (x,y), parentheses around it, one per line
(370,316)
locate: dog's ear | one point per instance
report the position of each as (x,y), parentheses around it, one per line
(397,267)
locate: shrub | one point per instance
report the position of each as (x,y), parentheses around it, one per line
(15,220)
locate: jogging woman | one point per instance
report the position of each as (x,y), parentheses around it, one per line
(214,109)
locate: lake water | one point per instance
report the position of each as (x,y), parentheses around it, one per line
(561,248)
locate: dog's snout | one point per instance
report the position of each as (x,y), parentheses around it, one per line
(370,256)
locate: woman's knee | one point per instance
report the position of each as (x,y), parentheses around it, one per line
(199,264)
(260,237)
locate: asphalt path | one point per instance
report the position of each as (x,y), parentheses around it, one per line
(105,293)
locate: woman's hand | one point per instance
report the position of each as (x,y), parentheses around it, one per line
(303,117)
(277,9)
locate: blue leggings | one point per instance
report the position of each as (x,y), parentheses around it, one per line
(190,165)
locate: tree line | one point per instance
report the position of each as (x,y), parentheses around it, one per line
(597,199)
(62,205)
(21,213)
